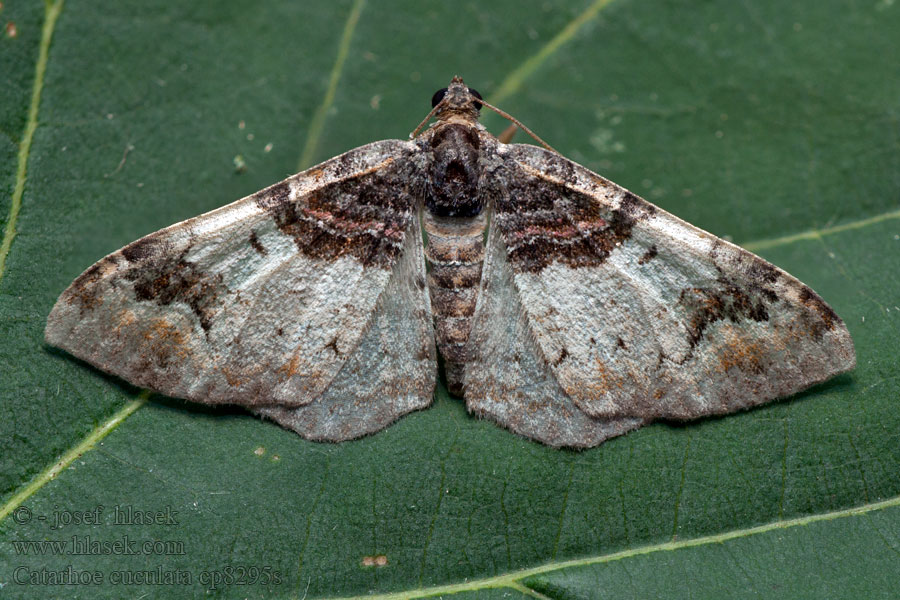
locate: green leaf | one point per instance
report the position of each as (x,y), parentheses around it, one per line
(773,123)
(855,550)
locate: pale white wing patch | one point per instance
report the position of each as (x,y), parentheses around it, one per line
(510,382)
(638,313)
(393,370)
(263,301)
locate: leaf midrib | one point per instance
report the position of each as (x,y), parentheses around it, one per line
(513,579)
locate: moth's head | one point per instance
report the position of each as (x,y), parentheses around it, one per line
(456,99)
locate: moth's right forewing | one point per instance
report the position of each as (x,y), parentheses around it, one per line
(260,302)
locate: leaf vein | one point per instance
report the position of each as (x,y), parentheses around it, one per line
(562,512)
(511,578)
(52,11)
(514,80)
(784,464)
(814,234)
(312,511)
(437,509)
(317,124)
(73,453)
(687,449)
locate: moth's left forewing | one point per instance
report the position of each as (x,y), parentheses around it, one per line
(640,314)
(264,302)
(393,370)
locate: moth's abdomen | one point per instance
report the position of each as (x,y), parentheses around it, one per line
(455,254)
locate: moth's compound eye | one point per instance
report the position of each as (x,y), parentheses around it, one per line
(438,96)
(477,95)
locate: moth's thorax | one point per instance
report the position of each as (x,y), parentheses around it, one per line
(453,172)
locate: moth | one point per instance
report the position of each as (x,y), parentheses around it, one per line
(566,308)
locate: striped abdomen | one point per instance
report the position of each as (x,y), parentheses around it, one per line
(455,253)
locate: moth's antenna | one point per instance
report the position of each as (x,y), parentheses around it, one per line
(519,125)
(426,119)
